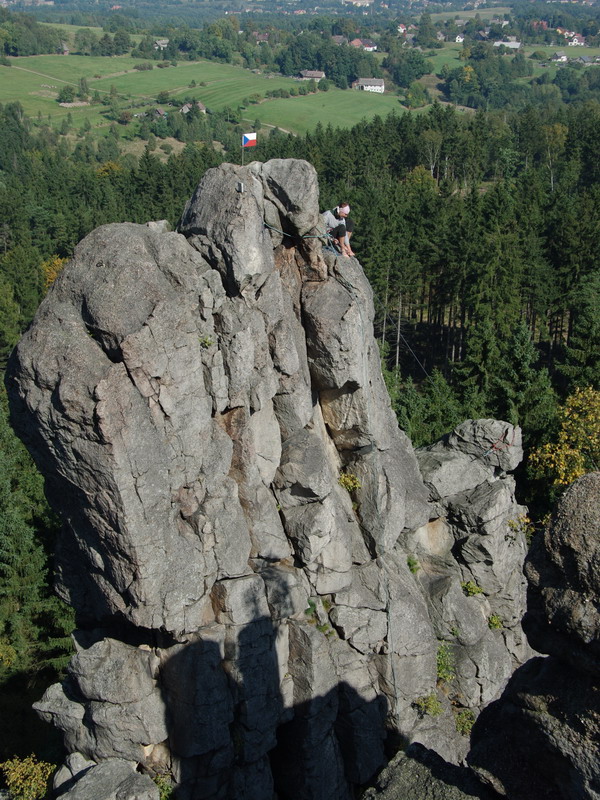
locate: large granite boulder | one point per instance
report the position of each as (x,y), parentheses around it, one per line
(542,737)
(264,582)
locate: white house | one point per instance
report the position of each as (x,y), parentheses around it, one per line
(369,85)
(459,38)
(161,44)
(577,41)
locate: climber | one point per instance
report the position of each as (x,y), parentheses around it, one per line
(339,228)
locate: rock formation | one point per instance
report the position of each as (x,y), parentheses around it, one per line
(266,586)
(542,737)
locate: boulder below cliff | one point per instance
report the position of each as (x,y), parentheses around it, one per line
(266,587)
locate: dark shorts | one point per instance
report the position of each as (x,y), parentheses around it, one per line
(339,232)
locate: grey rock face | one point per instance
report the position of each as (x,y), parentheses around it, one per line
(420,774)
(466,472)
(112,780)
(542,737)
(241,512)
(563,570)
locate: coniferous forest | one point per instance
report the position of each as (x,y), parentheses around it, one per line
(478,231)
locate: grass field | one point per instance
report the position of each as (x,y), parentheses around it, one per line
(448,54)
(340,108)
(36,80)
(483,13)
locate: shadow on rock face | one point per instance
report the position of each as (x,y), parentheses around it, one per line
(421,774)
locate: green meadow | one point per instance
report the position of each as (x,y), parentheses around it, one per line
(482,13)
(448,54)
(35,81)
(336,107)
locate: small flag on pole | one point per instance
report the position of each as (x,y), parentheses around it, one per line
(249,140)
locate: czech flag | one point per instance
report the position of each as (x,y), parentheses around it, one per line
(249,140)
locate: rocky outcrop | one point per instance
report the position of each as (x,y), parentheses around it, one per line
(542,737)
(265,585)
(420,774)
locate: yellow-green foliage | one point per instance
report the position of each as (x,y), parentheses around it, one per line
(495,622)
(27,778)
(428,705)
(577,449)
(464,721)
(445,663)
(349,482)
(8,654)
(165,786)
(413,564)
(470,588)
(51,268)
(522,524)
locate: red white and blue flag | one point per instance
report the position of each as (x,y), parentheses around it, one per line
(249,140)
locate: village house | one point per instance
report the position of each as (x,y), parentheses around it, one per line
(369,85)
(368,45)
(459,38)
(161,44)
(339,40)
(559,57)
(311,75)
(577,41)
(402,28)
(187,107)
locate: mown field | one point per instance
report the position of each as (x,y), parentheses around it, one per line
(483,13)
(36,80)
(336,107)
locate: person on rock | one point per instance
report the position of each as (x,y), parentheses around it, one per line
(339,227)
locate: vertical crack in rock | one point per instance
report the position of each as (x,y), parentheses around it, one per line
(246,530)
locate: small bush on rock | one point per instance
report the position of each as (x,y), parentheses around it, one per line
(495,622)
(165,786)
(27,778)
(349,482)
(445,664)
(464,721)
(428,705)
(470,588)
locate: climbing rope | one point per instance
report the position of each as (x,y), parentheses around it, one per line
(501,443)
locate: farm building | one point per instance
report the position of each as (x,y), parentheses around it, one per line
(369,85)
